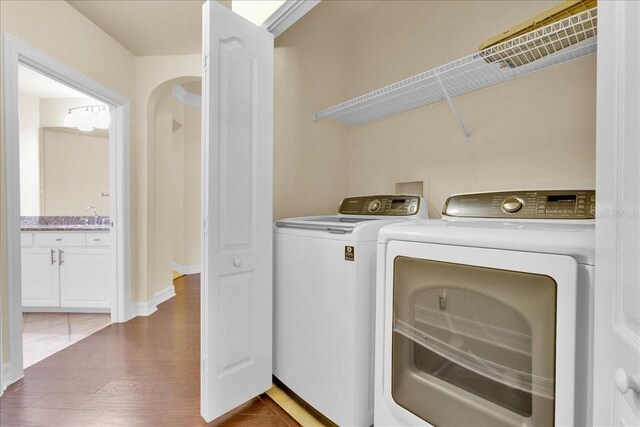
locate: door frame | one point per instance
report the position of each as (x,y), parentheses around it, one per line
(617,130)
(16,52)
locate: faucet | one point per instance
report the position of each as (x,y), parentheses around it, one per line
(95,213)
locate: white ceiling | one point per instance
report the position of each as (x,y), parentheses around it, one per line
(148,27)
(256,11)
(33,83)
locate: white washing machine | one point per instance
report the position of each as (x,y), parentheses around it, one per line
(485,318)
(324,290)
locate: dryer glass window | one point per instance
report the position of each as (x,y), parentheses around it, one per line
(473,345)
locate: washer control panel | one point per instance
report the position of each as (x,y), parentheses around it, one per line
(383,205)
(543,204)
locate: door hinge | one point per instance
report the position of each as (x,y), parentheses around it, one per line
(206,62)
(205,224)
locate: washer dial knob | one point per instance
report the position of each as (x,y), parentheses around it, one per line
(374,205)
(512,204)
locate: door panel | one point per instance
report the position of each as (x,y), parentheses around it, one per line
(238,140)
(84,276)
(40,278)
(617,288)
(237,210)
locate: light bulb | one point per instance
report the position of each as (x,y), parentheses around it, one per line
(70,120)
(85,120)
(102,119)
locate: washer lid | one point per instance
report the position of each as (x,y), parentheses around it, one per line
(576,240)
(339,224)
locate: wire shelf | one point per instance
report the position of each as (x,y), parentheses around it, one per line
(562,41)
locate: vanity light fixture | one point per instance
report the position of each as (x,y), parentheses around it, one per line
(88,117)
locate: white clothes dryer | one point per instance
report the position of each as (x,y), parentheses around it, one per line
(485,318)
(324,290)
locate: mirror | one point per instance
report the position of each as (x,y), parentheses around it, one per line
(64,149)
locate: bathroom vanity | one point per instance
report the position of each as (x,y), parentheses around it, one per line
(65,264)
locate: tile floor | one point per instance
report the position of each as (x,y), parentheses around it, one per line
(44,334)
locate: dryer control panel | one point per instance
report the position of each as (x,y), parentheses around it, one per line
(381,205)
(543,204)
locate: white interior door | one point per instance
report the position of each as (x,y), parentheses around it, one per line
(617,291)
(237,210)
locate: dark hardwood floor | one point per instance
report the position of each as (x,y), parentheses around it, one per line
(145,372)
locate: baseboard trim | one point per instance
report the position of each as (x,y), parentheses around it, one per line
(7,378)
(64,310)
(165,295)
(185,269)
(149,307)
(146,308)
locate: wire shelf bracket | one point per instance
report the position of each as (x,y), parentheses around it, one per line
(467,136)
(553,44)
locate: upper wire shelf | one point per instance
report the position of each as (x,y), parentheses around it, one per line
(559,42)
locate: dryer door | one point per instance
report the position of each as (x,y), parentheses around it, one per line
(477,336)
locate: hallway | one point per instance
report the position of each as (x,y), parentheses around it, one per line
(141,373)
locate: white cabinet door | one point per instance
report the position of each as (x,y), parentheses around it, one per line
(84,276)
(237,210)
(616,397)
(40,286)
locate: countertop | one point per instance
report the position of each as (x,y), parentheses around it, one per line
(64,223)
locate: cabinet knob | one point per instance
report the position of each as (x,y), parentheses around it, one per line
(237,262)
(624,381)
(59,239)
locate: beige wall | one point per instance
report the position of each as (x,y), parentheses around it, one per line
(191,187)
(61,32)
(162,221)
(177,184)
(75,170)
(311,70)
(535,132)
(177,188)
(154,74)
(29,115)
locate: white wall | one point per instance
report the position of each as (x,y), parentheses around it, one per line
(29,117)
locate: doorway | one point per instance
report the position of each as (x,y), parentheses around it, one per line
(17,54)
(66,280)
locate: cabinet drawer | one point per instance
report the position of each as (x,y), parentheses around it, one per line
(98,239)
(26,240)
(60,239)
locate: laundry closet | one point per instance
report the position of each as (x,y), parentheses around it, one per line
(434,99)
(536,131)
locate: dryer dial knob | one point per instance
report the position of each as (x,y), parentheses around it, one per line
(512,204)
(374,205)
